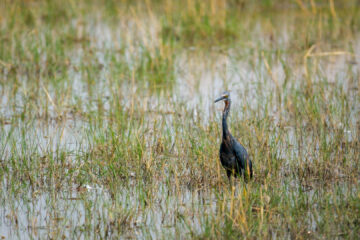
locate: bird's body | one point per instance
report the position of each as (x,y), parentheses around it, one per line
(233,156)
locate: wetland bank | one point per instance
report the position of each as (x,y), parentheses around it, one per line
(108,127)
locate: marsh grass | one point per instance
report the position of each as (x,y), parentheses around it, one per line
(108,127)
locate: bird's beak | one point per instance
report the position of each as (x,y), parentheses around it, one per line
(220,98)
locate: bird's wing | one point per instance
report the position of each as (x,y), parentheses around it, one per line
(240,153)
(242,157)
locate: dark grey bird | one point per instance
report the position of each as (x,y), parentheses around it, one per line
(233,156)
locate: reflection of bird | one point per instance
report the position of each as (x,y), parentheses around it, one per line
(233,156)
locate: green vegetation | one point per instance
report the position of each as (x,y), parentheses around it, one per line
(108,127)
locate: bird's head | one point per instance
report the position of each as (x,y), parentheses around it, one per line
(224,96)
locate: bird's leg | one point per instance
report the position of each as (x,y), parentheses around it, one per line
(228,173)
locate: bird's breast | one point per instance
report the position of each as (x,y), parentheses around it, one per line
(227,157)
(228,160)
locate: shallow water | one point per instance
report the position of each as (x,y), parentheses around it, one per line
(88,211)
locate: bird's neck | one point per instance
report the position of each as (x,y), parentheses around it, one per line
(224,119)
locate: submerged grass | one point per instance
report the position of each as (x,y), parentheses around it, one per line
(108,127)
